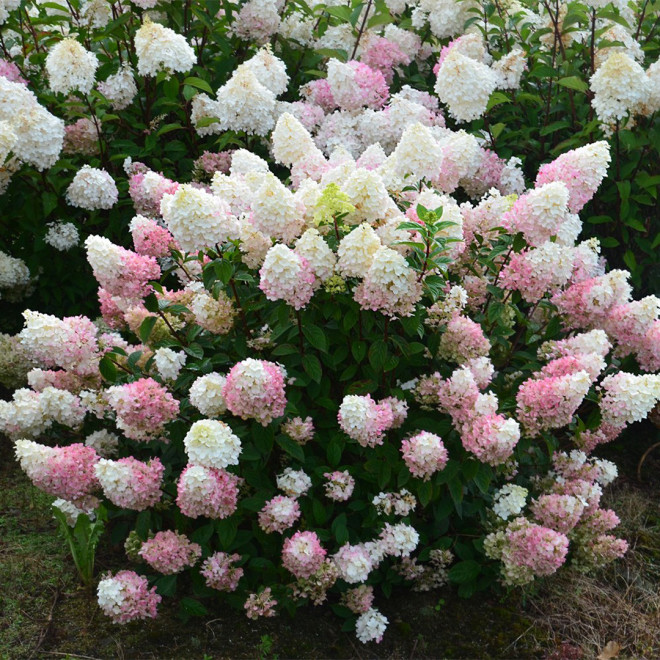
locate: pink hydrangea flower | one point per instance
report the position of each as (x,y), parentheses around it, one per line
(143,407)
(279,514)
(384,55)
(11,72)
(260,604)
(147,188)
(339,486)
(463,340)
(66,472)
(255,390)
(210,492)
(303,554)
(129,483)
(169,552)
(424,454)
(364,420)
(550,403)
(491,438)
(559,512)
(286,275)
(119,271)
(127,597)
(149,238)
(69,343)
(538,548)
(220,572)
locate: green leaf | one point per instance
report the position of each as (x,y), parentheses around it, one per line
(146,327)
(496,98)
(343,13)
(226,530)
(339,529)
(315,336)
(609,242)
(573,82)
(192,607)
(224,270)
(425,492)
(108,369)
(456,492)
(359,350)
(312,367)
(290,447)
(334,450)
(378,354)
(464,571)
(199,84)
(166,585)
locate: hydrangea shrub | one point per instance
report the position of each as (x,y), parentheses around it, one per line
(323,389)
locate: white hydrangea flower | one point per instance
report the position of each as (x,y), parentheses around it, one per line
(619,85)
(417,154)
(70,511)
(269,70)
(399,540)
(206,394)
(313,247)
(92,189)
(198,219)
(370,626)
(293,482)
(356,251)
(292,142)
(607,471)
(275,211)
(62,235)
(8,139)
(169,363)
(367,193)
(13,272)
(103,442)
(509,69)
(119,88)
(510,500)
(39,134)
(244,161)
(212,443)
(160,49)
(244,104)
(70,67)
(464,85)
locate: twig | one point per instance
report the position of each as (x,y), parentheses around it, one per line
(46,628)
(518,638)
(77,655)
(643,458)
(364,22)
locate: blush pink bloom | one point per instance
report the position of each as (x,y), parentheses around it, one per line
(129,483)
(66,472)
(169,552)
(210,492)
(143,407)
(424,454)
(254,389)
(220,572)
(303,554)
(127,597)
